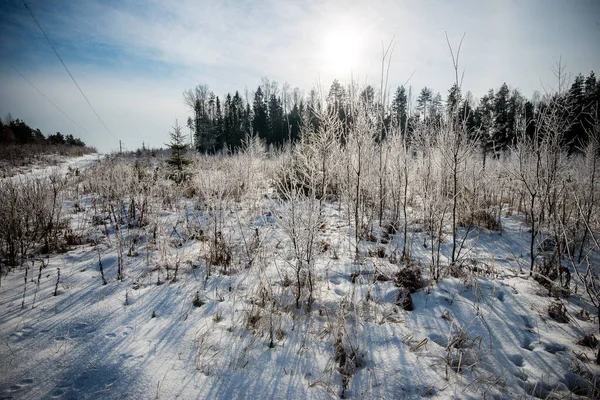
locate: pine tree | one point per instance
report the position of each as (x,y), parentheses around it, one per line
(484,119)
(367,97)
(177,161)
(228,124)
(529,118)
(277,133)
(466,114)
(239,126)
(295,121)
(501,119)
(453,101)
(199,101)
(575,136)
(516,116)
(592,101)
(436,108)
(424,102)
(313,108)
(218,130)
(247,120)
(399,109)
(336,100)
(260,122)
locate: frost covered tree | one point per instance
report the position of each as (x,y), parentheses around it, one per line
(538,161)
(457,146)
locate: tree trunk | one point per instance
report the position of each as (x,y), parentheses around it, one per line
(533,235)
(381,186)
(589,211)
(357,201)
(404,252)
(454,201)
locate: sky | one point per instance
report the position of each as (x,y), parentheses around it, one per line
(133,59)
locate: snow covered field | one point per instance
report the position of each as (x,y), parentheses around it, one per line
(205,306)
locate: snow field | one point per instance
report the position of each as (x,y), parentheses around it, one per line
(233,331)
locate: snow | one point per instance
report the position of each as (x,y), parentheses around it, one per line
(62,167)
(477,336)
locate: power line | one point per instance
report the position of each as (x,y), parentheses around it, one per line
(47,98)
(66,69)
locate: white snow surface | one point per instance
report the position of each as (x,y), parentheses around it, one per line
(101,341)
(63,166)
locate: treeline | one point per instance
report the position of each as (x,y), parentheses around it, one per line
(273,115)
(277,115)
(17,132)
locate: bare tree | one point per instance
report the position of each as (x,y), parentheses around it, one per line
(457,145)
(538,160)
(591,154)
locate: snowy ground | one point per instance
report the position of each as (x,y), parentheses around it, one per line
(44,163)
(61,165)
(484,335)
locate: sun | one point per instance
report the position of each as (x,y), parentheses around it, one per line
(341,48)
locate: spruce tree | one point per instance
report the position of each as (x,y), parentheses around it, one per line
(177,161)
(501,119)
(453,101)
(260,123)
(277,126)
(336,100)
(424,102)
(239,124)
(399,108)
(484,119)
(516,104)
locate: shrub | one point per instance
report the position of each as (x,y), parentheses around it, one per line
(588,341)
(404,300)
(379,252)
(558,312)
(253,318)
(482,219)
(197,302)
(220,254)
(31,214)
(348,359)
(409,278)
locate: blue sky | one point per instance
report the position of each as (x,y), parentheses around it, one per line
(133,59)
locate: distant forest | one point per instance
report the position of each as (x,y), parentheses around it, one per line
(17,132)
(277,115)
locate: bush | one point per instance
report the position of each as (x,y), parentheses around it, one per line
(197,302)
(482,219)
(404,300)
(558,312)
(409,278)
(379,252)
(548,272)
(220,254)
(297,175)
(588,341)
(31,215)
(348,359)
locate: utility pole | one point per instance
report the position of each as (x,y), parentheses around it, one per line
(120,147)
(143,146)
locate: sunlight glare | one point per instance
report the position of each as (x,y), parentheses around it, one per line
(341,48)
